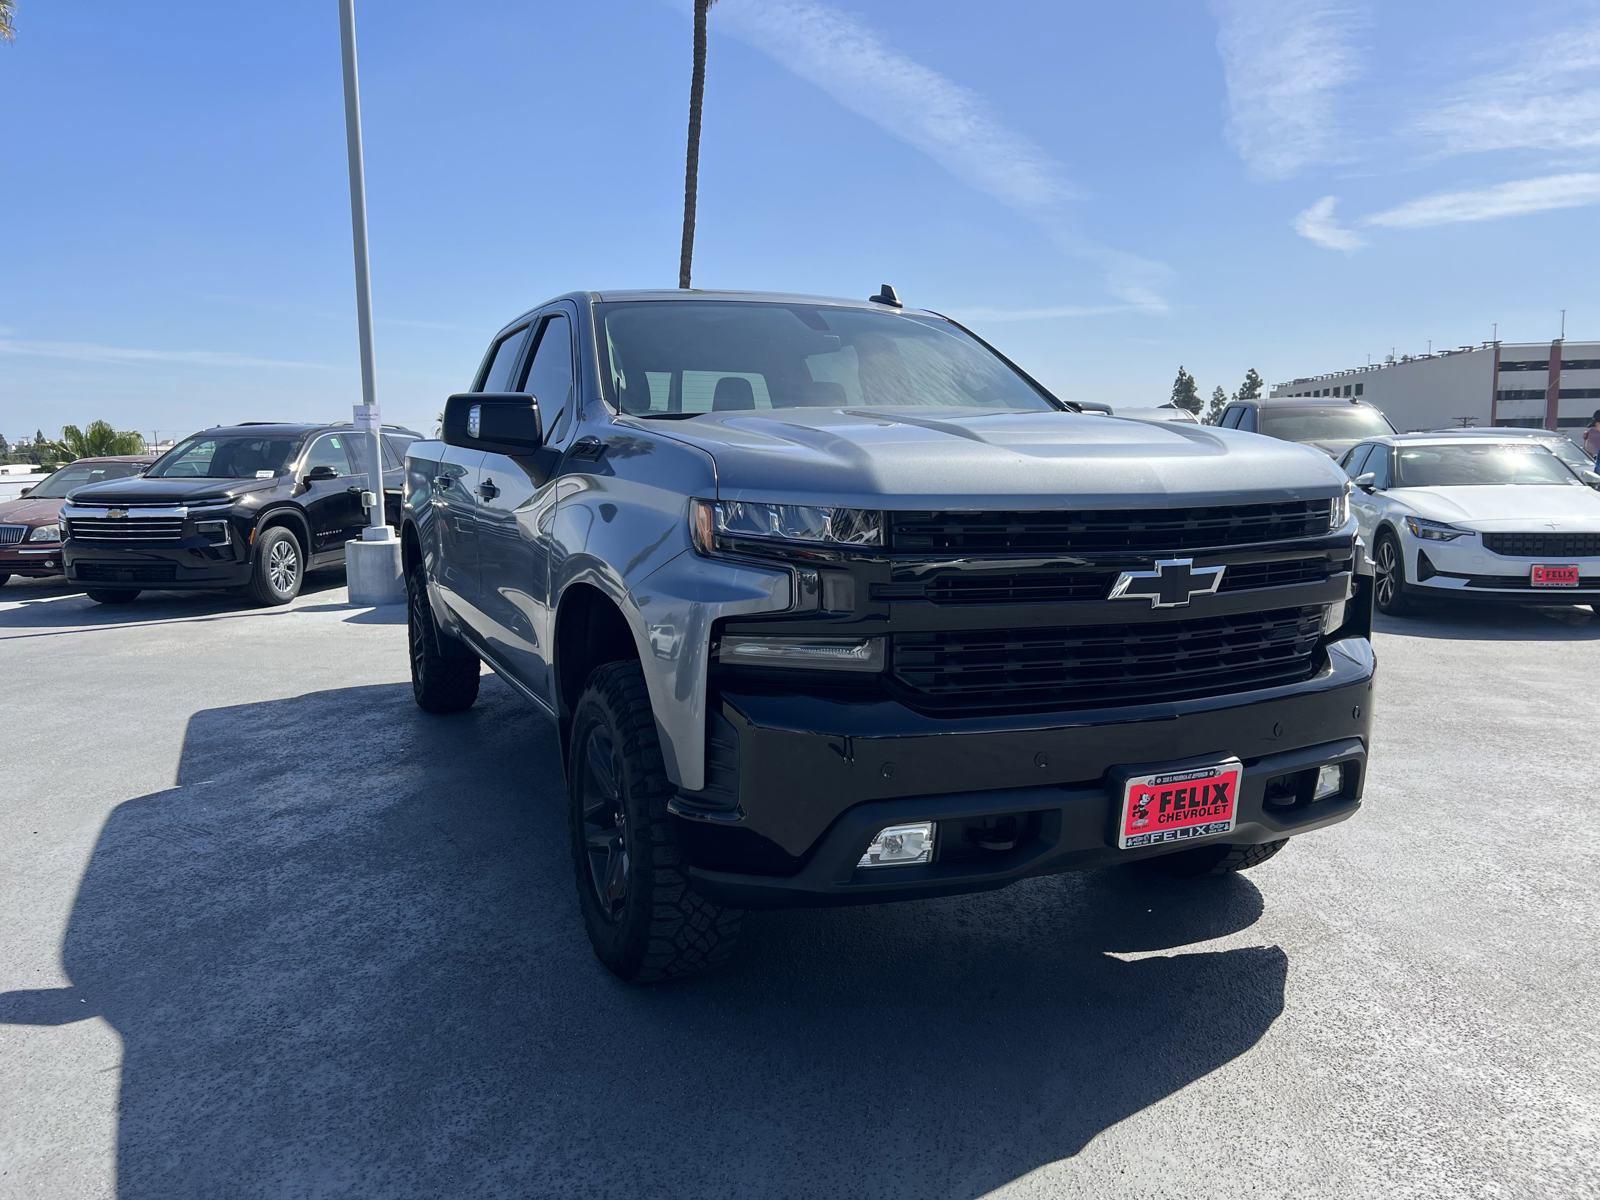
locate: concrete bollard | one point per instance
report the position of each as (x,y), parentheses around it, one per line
(372,569)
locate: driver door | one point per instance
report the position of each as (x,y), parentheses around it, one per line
(332,506)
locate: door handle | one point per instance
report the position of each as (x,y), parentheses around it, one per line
(441,483)
(487,489)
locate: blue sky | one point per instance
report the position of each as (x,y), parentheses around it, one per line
(1105,191)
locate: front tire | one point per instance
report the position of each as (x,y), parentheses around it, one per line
(4,578)
(279,568)
(1219,859)
(645,921)
(112,595)
(444,671)
(1389,577)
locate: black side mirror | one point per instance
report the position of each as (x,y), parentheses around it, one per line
(24,492)
(500,422)
(321,474)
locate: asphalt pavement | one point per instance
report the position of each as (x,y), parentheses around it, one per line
(266,929)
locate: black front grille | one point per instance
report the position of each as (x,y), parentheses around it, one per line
(1135,530)
(106,572)
(1548,545)
(1095,665)
(125,529)
(1054,585)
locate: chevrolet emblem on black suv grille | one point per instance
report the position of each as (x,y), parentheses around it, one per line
(1173,583)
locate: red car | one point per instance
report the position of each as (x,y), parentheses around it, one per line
(30,534)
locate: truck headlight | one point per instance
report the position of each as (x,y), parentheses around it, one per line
(722,525)
(1434,531)
(1341,509)
(45,533)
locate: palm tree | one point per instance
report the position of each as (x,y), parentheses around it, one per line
(8,9)
(691,168)
(100,438)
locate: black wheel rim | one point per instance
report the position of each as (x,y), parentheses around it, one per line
(416,629)
(605,824)
(1386,569)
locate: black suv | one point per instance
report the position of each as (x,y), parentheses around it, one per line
(1332,426)
(251,507)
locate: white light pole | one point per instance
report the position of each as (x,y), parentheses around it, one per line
(373,564)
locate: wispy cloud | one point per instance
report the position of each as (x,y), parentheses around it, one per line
(1284,61)
(95,352)
(1318,224)
(1547,99)
(1517,198)
(948,122)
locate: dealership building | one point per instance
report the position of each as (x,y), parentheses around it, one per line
(1550,385)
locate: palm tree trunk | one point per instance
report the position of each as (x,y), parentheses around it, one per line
(691,167)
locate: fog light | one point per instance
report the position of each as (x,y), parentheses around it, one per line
(1330,782)
(900,846)
(215,532)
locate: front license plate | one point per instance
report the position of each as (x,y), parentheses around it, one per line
(1565,575)
(1174,806)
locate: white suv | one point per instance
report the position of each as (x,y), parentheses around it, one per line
(1487,517)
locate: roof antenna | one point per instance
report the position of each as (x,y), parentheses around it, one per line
(886,295)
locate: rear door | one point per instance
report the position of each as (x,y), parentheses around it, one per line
(516,506)
(332,506)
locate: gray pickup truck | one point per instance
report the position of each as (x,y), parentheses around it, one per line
(832,603)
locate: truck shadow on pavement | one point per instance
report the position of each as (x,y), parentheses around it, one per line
(344,956)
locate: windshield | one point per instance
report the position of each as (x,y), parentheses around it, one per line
(683,358)
(1348,423)
(1478,466)
(78,474)
(233,456)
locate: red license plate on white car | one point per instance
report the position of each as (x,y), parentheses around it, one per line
(1175,806)
(1555,576)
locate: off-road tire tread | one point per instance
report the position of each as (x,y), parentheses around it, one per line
(1204,861)
(451,671)
(686,933)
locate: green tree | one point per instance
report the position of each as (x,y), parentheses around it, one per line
(5,449)
(1219,401)
(691,164)
(1185,392)
(98,439)
(1250,389)
(8,9)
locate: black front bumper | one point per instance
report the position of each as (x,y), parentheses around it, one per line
(798,785)
(193,563)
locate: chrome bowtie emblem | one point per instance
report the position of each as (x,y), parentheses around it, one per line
(1173,583)
(116,512)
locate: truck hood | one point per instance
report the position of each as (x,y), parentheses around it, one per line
(1559,507)
(140,490)
(28,511)
(945,458)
